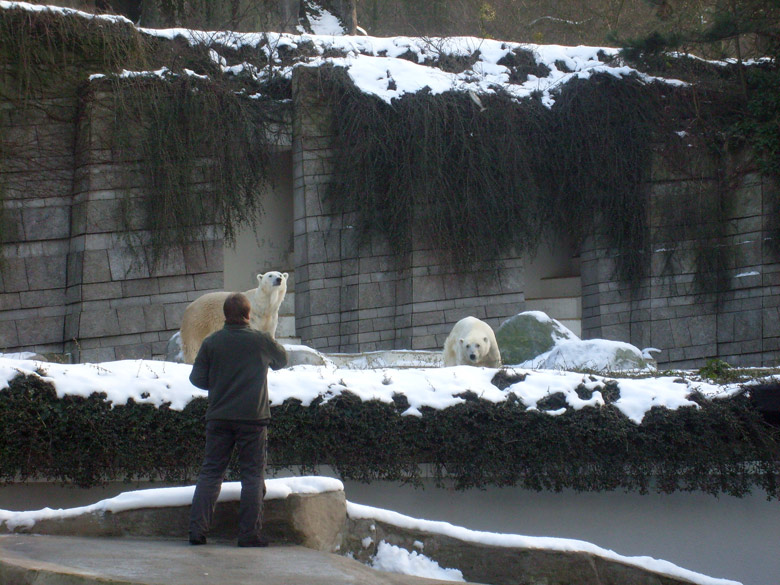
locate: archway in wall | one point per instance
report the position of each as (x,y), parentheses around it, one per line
(553,284)
(268,245)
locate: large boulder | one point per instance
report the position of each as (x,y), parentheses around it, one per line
(599,355)
(528,335)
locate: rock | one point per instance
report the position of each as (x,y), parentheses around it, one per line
(173,351)
(530,334)
(600,355)
(303,355)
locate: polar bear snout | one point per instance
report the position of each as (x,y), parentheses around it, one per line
(277,281)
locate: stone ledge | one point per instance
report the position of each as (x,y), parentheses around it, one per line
(320,521)
(315,521)
(500,565)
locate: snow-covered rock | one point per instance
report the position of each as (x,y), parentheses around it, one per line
(528,335)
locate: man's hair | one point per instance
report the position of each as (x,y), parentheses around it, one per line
(236,309)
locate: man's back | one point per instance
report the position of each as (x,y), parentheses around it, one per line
(232,365)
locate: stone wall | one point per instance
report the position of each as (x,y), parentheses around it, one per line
(731,312)
(365,299)
(36,177)
(70,282)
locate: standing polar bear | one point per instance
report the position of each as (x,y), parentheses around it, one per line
(472,342)
(204,315)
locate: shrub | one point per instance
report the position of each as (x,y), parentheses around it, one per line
(721,447)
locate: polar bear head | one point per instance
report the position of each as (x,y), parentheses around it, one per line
(474,347)
(268,281)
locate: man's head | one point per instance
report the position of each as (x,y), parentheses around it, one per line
(236,309)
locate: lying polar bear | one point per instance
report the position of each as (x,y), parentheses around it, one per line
(472,342)
(204,315)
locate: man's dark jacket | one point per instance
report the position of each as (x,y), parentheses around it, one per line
(232,364)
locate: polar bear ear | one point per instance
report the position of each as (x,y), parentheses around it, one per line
(284,275)
(462,341)
(259,278)
(484,339)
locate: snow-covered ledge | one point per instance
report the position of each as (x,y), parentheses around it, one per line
(310,511)
(313,512)
(376,536)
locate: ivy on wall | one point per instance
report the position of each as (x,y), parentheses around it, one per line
(474,182)
(723,446)
(206,149)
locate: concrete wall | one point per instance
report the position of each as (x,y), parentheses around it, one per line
(268,244)
(732,314)
(70,282)
(370,299)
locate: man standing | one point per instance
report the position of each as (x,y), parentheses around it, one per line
(232,365)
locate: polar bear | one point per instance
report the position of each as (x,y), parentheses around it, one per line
(204,315)
(472,342)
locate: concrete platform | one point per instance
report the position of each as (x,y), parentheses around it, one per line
(27,559)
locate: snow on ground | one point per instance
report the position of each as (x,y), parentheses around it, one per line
(376,66)
(157,382)
(388,557)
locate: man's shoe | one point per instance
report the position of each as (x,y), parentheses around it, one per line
(253,542)
(196,540)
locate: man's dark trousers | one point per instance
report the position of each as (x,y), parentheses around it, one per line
(222,436)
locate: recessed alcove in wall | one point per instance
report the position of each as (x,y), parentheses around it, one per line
(553,284)
(268,245)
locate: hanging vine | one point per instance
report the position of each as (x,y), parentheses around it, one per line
(207,151)
(473,181)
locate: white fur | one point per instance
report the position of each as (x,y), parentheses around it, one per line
(472,342)
(205,315)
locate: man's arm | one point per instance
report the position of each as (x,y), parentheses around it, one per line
(200,369)
(276,353)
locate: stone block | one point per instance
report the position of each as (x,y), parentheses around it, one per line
(126,264)
(771,322)
(141,351)
(13,275)
(131,319)
(140,287)
(13,226)
(40,330)
(177,283)
(41,298)
(172,314)
(207,282)
(154,317)
(46,223)
(97,355)
(101,290)
(171,263)
(46,272)
(96,266)
(9,338)
(325,301)
(98,323)
(10,301)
